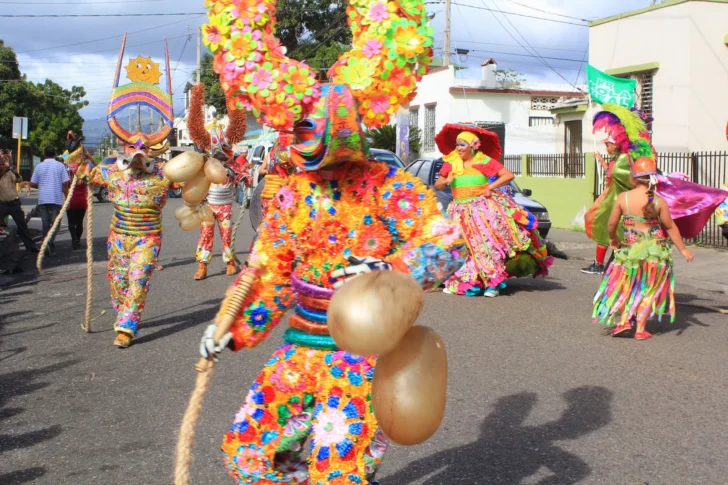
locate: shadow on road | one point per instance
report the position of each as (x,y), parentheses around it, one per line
(22,476)
(507,452)
(19,383)
(180,322)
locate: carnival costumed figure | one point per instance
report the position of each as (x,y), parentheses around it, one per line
(502,237)
(340,215)
(640,281)
(217,143)
(278,169)
(73,158)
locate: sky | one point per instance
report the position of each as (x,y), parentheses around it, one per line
(83,51)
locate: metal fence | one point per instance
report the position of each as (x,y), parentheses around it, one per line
(513,163)
(705,168)
(568,165)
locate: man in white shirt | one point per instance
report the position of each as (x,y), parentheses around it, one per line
(51,179)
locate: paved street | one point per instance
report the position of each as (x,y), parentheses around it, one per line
(537,394)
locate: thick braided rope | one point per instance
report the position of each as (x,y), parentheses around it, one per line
(230,309)
(237,226)
(89,257)
(56,224)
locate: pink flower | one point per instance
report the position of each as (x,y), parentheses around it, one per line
(372,48)
(285,198)
(262,79)
(379,12)
(380,104)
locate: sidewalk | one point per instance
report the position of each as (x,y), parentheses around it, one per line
(708,272)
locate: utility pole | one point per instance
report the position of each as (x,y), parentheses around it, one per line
(199,42)
(446,40)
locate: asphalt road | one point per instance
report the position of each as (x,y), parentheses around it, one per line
(537,394)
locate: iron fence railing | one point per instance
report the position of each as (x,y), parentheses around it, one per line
(568,165)
(513,163)
(705,168)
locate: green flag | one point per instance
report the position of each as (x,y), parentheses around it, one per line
(604,88)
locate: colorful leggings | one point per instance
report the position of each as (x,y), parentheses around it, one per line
(132,259)
(223,216)
(302,393)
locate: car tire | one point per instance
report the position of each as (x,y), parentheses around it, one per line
(175,193)
(103,195)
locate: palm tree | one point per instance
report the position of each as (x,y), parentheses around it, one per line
(385,138)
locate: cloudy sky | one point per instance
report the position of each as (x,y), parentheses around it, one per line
(83,51)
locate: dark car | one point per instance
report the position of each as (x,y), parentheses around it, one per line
(428,170)
(387,157)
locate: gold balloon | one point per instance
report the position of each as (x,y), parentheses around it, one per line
(206,214)
(191,222)
(184,166)
(215,172)
(409,389)
(371,313)
(183,211)
(196,189)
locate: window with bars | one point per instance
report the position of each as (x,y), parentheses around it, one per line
(429,134)
(540,121)
(644,94)
(414,117)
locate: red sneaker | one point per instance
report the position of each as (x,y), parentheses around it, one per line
(642,335)
(622,331)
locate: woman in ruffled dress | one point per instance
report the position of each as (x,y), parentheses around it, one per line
(501,235)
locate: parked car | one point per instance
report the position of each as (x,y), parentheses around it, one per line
(428,171)
(387,157)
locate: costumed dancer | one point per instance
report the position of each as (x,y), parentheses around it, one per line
(721,215)
(138,190)
(341,209)
(640,282)
(617,172)
(218,144)
(501,235)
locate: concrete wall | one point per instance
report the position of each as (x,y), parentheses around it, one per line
(564,198)
(690,97)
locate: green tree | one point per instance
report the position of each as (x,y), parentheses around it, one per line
(385,138)
(214,95)
(51,109)
(509,78)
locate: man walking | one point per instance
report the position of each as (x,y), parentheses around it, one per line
(51,179)
(10,205)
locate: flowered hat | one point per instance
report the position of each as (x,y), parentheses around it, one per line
(489,141)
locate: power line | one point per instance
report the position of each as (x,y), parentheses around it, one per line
(156,27)
(550,13)
(509,13)
(78,3)
(86,15)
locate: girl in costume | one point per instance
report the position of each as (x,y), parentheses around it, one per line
(640,282)
(501,235)
(721,215)
(79,201)
(341,214)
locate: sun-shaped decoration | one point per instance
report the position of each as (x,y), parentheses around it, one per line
(143,70)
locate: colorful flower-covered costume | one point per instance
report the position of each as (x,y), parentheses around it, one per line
(310,388)
(135,238)
(502,236)
(597,217)
(640,282)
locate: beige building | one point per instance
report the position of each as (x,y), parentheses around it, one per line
(678,53)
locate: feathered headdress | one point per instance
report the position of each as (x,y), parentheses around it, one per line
(626,128)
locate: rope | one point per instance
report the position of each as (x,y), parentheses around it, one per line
(237,226)
(56,224)
(89,257)
(230,310)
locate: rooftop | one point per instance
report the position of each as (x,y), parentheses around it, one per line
(632,13)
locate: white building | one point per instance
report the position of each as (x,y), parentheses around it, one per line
(522,112)
(678,53)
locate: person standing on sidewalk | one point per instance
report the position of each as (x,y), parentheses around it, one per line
(51,179)
(10,205)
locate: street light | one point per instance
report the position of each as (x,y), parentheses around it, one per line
(462,54)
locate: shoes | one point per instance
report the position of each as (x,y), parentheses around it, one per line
(622,331)
(76,244)
(642,335)
(231,269)
(34,250)
(201,272)
(123,340)
(594,268)
(491,292)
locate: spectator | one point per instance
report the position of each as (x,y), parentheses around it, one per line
(77,209)
(10,205)
(51,179)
